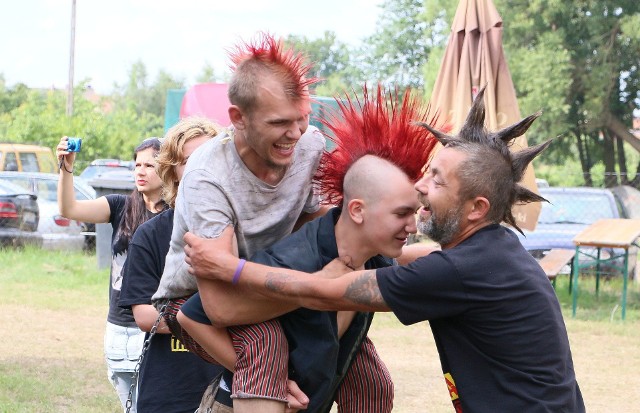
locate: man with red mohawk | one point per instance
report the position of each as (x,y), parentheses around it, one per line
(380,153)
(494,315)
(257,177)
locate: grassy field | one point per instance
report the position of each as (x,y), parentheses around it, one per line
(54,307)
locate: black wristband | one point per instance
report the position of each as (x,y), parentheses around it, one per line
(63,165)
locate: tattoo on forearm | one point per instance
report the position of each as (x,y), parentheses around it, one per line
(280,283)
(364,290)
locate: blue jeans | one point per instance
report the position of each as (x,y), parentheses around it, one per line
(122,348)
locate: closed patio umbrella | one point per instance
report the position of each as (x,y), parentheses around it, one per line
(474,58)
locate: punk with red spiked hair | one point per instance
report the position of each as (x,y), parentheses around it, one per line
(384,125)
(265,56)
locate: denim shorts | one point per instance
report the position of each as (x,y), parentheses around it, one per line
(122,346)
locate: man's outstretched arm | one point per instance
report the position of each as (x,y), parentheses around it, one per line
(357,290)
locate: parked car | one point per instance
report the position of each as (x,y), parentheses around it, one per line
(118,175)
(570,211)
(100,166)
(26,158)
(542,183)
(19,216)
(57,231)
(629,199)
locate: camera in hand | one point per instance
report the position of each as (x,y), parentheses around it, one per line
(74,144)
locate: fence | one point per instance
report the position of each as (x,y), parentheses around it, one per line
(600,179)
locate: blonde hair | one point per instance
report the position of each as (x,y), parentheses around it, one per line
(171,154)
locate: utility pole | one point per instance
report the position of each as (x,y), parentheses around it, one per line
(71,59)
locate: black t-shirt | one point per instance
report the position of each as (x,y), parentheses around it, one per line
(496,321)
(171,378)
(117,315)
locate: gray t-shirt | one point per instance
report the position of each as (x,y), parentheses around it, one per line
(218,190)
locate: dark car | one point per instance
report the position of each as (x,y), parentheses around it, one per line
(57,231)
(570,211)
(19,216)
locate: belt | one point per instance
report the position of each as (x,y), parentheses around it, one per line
(224,397)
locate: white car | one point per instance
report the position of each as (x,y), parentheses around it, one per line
(57,232)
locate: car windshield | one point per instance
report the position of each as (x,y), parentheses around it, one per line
(8,188)
(46,189)
(92,171)
(574,208)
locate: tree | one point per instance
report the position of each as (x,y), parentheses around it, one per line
(41,119)
(399,49)
(207,75)
(11,98)
(157,93)
(576,60)
(141,96)
(581,59)
(331,61)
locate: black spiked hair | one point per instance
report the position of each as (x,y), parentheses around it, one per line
(474,132)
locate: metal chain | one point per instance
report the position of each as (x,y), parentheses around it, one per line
(145,347)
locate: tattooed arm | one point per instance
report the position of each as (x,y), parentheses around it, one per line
(356,290)
(352,291)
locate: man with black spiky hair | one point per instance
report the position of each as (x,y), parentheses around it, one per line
(495,317)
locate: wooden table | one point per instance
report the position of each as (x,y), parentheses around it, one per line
(606,233)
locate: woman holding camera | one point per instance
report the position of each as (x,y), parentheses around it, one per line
(123,339)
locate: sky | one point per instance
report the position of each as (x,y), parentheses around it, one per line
(177,36)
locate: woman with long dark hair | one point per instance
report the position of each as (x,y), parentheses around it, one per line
(123,339)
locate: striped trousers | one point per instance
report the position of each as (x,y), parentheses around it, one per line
(262,366)
(261,369)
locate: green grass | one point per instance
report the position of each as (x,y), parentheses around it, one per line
(604,306)
(39,385)
(54,307)
(41,278)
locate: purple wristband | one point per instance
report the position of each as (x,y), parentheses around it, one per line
(236,275)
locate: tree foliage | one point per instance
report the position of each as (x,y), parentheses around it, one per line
(143,96)
(108,130)
(207,75)
(400,46)
(331,60)
(579,61)
(576,60)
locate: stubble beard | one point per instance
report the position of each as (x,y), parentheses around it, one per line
(253,140)
(441,230)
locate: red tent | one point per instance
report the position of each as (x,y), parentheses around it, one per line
(209,100)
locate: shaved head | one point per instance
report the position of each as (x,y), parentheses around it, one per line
(379,206)
(368,179)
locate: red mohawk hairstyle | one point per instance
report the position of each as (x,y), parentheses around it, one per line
(264,56)
(382,125)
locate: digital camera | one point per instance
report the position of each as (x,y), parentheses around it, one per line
(74,144)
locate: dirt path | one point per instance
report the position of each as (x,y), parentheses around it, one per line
(606,359)
(606,356)
(53,335)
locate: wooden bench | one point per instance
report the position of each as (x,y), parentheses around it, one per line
(554,261)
